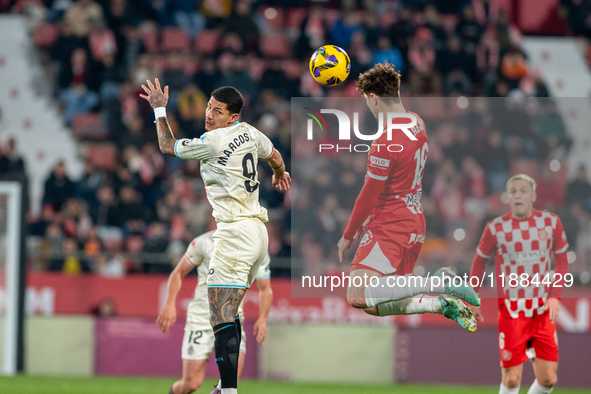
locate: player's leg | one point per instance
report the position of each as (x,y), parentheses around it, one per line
(514,335)
(192,379)
(241,360)
(545,355)
(511,379)
(546,377)
(237,247)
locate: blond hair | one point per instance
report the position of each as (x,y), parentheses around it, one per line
(522,177)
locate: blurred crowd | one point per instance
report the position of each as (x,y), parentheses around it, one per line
(475,145)
(100,52)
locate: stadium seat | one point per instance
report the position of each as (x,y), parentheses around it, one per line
(275,45)
(174,39)
(46,34)
(102,155)
(207,41)
(89,126)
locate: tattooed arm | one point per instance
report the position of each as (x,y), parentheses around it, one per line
(157,99)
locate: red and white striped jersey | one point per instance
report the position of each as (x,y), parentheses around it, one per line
(522,247)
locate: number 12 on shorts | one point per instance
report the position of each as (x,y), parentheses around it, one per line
(195,336)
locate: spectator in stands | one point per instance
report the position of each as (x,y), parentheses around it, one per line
(136,133)
(104,213)
(58,187)
(157,242)
(579,190)
(176,78)
(451,64)
(78,83)
(360,54)
(207,77)
(402,31)
(129,207)
(387,53)
(508,35)
(11,163)
(215,11)
(70,263)
(75,219)
(101,41)
(495,160)
(513,67)
(191,108)
(486,11)
(109,268)
(113,76)
(421,57)
(242,22)
(434,24)
(551,129)
(550,190)
(487,61)
(81,15)
(187,17)
(62,49)
(344,28)
(39,226)
(92,244)
(234,73)
(371,29)
(469,30)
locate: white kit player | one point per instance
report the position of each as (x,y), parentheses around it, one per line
(528,292)
(229,152)
(198,341)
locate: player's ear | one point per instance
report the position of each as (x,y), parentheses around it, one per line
(234,118)
(533,197)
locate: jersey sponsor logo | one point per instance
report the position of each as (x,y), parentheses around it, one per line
(542,234)
(379,162)
(414,238)
(232,146)
(413,202)
(367,237)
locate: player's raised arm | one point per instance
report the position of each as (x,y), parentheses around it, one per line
(158,100)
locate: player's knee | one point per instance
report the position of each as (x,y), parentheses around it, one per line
(548,381)
(513,381)
(192,385)
(357,302)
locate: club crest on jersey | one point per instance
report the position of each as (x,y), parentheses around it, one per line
(210,276)
(367,237)
(507,355)
(542,234)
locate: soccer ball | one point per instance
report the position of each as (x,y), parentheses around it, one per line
(330,65)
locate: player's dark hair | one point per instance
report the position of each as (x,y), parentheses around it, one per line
(229,96)
(382,80)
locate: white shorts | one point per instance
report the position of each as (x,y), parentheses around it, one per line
(239,248)
(199,343)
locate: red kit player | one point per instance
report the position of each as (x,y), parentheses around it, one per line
(523,240)
(389,218)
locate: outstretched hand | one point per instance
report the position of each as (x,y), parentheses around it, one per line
(282,183)
(155,96)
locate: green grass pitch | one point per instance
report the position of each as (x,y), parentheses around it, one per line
(23,384)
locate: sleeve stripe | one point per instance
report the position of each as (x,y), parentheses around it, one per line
(175,145)
(272,151)
(378,177)
(562,250)
(482,254)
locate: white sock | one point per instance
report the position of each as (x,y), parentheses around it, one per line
(394,288)
(536,388)
(229,391)
(411,306)
(506,390)
(220,384)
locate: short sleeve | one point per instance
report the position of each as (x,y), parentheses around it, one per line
(559,237)
(264,271)
(194,253)
(379,163)
(263,143)
(487,244)
(203,148)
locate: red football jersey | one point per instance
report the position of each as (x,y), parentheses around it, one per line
(402,168)
(523,247)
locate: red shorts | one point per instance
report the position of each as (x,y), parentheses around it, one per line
(527,337)
(389,247)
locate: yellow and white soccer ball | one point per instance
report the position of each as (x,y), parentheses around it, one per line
(330,65)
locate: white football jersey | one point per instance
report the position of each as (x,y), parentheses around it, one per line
(229,159)
(199,254)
